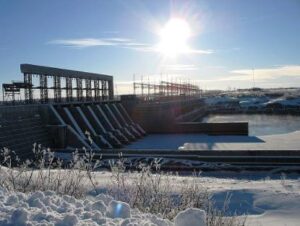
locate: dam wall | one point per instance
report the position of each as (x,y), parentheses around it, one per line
(179,117)
(95,125)
(21,127)
(236,128)
(98,125)
(156,115)
(105,125)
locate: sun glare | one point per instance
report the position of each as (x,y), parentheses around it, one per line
(174,36)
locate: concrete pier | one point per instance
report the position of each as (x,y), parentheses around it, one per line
(101,125)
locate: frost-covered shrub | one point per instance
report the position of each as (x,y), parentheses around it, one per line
(148,190)
(151,192)
(45,172)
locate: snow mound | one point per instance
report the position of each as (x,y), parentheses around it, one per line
(118,210)
(48,208)
(191,217)
(220,100)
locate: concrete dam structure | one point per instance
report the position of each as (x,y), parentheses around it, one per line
(97,126)
(79,114)
(66,127)
(67,110)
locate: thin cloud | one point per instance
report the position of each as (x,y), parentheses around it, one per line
(96,42)
(268,73)
(200,51)
(83,43)
(180,67)
(116,42)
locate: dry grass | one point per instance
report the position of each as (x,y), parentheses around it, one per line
(154,192)
(45,172)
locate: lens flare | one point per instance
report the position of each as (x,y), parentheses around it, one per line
(174,36)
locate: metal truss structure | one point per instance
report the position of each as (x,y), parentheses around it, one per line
(65,85)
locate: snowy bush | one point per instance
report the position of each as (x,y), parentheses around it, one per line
(150,192)
(43,173)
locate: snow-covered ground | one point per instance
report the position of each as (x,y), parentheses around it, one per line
(268,201)
(48,208)
(285,101)
(259,100)
(221,100)
(268,198)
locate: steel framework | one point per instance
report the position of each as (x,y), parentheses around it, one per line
(97,86)
(164,89)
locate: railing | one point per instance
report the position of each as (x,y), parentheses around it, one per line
(53,101)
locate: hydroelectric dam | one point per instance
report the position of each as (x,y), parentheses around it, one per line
(66,110)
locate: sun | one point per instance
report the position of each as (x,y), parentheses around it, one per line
(174,37)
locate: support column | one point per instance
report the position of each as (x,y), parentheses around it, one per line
(28,89)
(57,89)
(104,89)
(97,90)
(79,89)
(43,88)
(111,90)
(88,87)
(69,89)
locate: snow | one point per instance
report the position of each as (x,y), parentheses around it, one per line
(48,208)
(220,100)
(191,217)
(248,101)
(19,217)
(291,101)
(269,199)
(118,210)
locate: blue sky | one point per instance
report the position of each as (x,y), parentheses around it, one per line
(117,37)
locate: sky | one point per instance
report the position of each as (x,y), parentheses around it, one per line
(230,41)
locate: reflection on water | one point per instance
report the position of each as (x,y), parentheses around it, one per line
(261,124)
